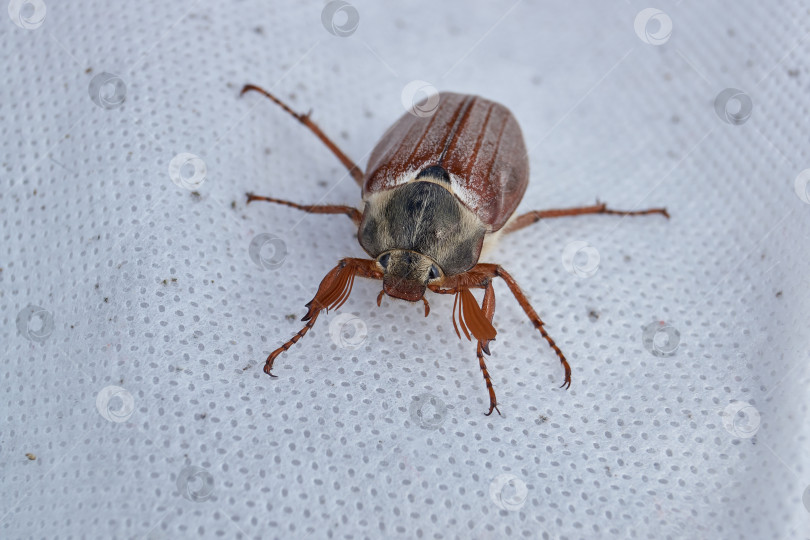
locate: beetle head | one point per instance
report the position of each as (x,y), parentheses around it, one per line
(406,273)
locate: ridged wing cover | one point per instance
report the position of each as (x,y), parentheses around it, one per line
(476,140)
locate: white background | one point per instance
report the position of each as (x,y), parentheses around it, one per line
(146,286)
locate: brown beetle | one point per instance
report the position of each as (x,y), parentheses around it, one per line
(437,190)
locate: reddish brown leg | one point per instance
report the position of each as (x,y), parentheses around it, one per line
(354,170)
(332,293)
(268,364)
(479,276)
(524,220)
(488,307)
(493,401)
(350,211)
(536,321)
(484,333)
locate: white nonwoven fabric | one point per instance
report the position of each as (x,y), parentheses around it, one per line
(140,294)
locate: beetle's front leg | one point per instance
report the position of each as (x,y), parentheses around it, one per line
(332,293)
(536,321)
(478,276)
(469,310)
(488,307)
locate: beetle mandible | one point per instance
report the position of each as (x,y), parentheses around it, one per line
(437,190)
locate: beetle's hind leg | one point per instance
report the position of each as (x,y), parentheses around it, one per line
(351,166)
(354,214)
(524,220)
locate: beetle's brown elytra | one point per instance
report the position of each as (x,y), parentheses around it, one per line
(436,188)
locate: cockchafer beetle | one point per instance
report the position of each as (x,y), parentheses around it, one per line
(437,190)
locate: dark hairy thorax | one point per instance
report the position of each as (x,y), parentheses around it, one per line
(425,217)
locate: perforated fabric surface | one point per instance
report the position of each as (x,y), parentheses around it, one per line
(140,294)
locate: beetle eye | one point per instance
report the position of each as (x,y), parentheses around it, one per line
(384,260)
(433,273)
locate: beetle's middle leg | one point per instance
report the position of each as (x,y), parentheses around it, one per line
(354,214)
(332,293)
(524,220)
